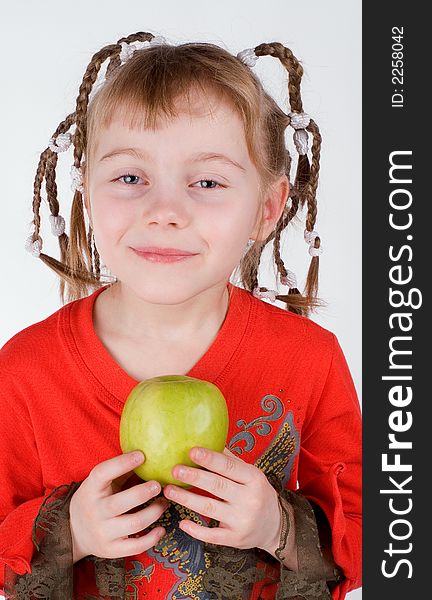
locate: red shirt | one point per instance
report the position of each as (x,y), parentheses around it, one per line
(289,394)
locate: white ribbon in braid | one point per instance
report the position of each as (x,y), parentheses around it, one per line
(248,57)
(128,49)
(57,224)
(77,182)
(34,247)
(289,280)
(268,294)
(61,143)
(309,237)
(299,122)
(57,228)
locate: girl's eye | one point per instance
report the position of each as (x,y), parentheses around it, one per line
(128,177)
(209,181)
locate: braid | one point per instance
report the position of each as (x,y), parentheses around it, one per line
(295,72)
(40,174)
(115,62)
(112,51)
(312,276)
(293,67)
(282,224)
(90,246)
(50,183)
(71,266)
(85,89)
(302,192)
(46,169)
(96,260)
(82,243)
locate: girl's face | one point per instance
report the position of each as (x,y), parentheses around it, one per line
(172,191)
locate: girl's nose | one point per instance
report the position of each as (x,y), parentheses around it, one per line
(165,208)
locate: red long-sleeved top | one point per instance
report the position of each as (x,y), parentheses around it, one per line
(292,405)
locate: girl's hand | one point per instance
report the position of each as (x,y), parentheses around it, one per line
(248,511)
(97,520)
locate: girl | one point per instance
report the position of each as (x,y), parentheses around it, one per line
(180,176)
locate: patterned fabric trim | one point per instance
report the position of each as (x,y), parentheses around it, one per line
(52,567)
(316,574)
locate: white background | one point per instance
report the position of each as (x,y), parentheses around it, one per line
(46,48)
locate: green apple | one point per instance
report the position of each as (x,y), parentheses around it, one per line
(165,417)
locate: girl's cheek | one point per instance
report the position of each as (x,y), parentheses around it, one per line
(116,190)
(110,213)
(117,200)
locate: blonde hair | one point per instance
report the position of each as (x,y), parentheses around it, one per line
(144,89)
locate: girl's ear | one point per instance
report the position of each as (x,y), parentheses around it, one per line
(273,207)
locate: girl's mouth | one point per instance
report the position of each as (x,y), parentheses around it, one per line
(163,258)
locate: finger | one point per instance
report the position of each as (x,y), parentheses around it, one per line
(206,480)
(229,466)
(138,521)
(212,535)
(136,546)
(104,473)
(214,509)
(233,456)
(121,502)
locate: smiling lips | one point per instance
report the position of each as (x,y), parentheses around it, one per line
(164,255)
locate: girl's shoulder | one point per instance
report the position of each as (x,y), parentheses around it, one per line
(279,324)
(32,343)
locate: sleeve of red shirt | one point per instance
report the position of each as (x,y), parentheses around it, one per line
(330,467)
(21,488)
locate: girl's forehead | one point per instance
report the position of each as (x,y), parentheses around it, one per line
(220,124)
(198,112)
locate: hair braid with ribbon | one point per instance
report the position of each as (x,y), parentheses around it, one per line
(305,183)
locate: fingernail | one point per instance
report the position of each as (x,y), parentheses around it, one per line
(155,488)
(181,472)
(138,457)
(198,453)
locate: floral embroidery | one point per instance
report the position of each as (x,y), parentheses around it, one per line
(136,578)
(181,553)
(278,458)
(269,403)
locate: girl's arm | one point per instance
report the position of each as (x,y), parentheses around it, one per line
(46,567)
(319,536)
(35,550)
(329,473)
(314,539)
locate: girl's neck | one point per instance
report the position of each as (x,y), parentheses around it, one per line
(121,313)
